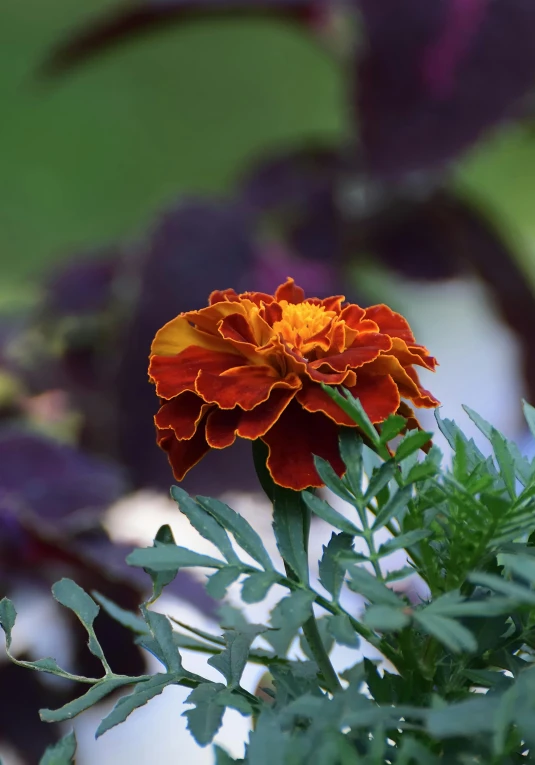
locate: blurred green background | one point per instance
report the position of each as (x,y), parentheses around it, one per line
(92,157)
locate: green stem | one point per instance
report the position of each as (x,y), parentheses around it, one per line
(315,643)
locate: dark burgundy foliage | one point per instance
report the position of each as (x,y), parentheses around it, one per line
(133,20)
(83,286)
(53,480)
(435,75)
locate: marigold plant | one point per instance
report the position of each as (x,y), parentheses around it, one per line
(254,366)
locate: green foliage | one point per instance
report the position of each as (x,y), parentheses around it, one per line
(458,687)
(61,753)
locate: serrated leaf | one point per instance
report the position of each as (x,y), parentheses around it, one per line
(413,441)
(453,604)
(95,694)
(449,429)
(61,753)
(398,574)
(286,619)
(242,531)
(403,541)
(267,743)
(161,579)
(8,616)
(351,453)
(354,409)
(228,698)
(529,414)
(422,471)
(167,557)
(505,462)
(481,424)
(516,592)
(393,508)
(340,628)
(162,632)
(327,639)
(72,596)
(222,757)
(256,586)
(372,589)
(331,570)
(232,661)
(331,479)
(205,523)
(450,633)
(521,565)
(143,692)
(205,719)
(288,526)
(464,719)
(380,479)
(327,513)
(127,618)
(385,618)
(392,427)
(218,583)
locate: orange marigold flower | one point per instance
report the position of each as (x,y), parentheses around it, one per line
(251,365)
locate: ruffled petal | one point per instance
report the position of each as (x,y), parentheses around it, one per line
(183,455)
(414,354)
(365,348)
(424,398)
(179,334)
(290,292)
(390,322)
(314,399)
(223,425)
(245,386)
(378,395)
(259,420)
(293,440)
(182,415)
(175,374)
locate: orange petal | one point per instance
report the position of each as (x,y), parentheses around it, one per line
(347,378)
(424,398)
(390,322)
(390,365)
(220,296)
(182,415)
(175,374)
(414,354)
(290,292)
(207,319)
(292,441)
(243,386)
(183,455)
(314,399)
(333,303)
(365,348)
(179,334)
(352,315)
(378,395)
(223,425)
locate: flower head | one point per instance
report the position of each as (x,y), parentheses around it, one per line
(252,365)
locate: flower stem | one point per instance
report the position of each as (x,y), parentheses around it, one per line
(310,627)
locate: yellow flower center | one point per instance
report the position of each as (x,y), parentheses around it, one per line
(300,322)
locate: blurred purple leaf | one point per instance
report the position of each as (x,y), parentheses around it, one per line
(199,246)
(54,481)
(435,75)
(83,285)
(135,20)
